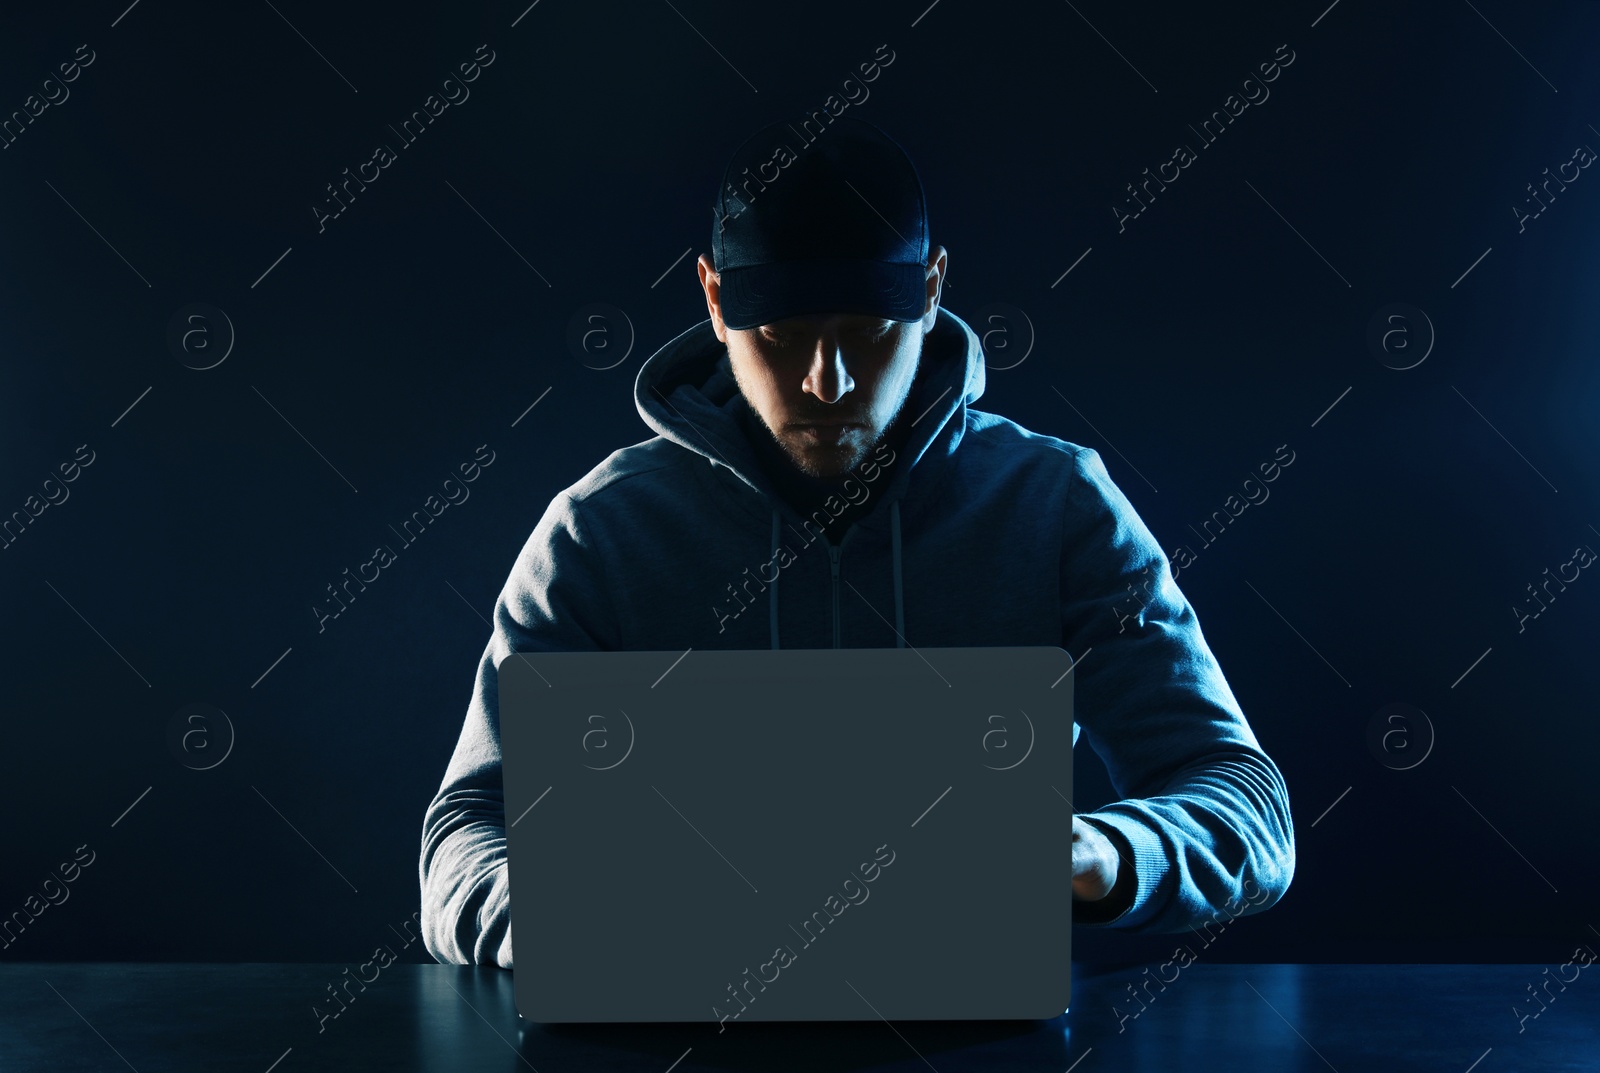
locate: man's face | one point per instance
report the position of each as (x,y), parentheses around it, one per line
(827,386)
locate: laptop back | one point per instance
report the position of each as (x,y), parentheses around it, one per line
(790,834)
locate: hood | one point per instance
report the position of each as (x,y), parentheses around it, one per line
(686,392)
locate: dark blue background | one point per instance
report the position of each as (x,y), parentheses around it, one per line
(190,552)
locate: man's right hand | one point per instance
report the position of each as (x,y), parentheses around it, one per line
(503,956)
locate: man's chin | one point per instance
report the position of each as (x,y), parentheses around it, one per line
(825,462)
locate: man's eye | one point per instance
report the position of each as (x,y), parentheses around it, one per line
(871,335)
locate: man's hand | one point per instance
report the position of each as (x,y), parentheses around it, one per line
(503,955)
(1095,863)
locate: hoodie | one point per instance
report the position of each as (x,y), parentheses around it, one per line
(983,533)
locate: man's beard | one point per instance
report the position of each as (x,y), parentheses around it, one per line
(845,461)
(842,460)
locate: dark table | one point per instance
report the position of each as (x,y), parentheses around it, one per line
(257,1017)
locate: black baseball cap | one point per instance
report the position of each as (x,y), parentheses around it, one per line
(833,222)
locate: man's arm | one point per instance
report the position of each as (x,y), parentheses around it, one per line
(1203,813)
(552,602)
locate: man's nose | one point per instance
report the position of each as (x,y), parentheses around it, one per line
(827,378)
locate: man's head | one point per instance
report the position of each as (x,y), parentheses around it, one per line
(822,283)
(826,369)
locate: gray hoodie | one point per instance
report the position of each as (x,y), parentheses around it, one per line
(983,534)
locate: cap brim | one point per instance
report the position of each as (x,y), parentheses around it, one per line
(763,294)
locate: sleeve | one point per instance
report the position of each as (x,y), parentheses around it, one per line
(554,600)
(1203,810)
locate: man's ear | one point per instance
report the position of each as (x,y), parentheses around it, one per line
(711,283)
(938,262)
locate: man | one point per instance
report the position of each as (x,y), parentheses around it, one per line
(816,438)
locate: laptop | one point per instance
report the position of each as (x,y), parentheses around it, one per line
(789,834)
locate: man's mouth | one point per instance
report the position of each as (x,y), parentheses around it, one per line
(832,432)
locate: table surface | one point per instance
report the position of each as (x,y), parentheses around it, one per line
(258,1017)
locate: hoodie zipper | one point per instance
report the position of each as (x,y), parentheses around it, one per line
(833,554)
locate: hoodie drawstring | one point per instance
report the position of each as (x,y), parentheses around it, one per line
(899,590)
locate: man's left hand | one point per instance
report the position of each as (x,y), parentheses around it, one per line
(1095,864)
